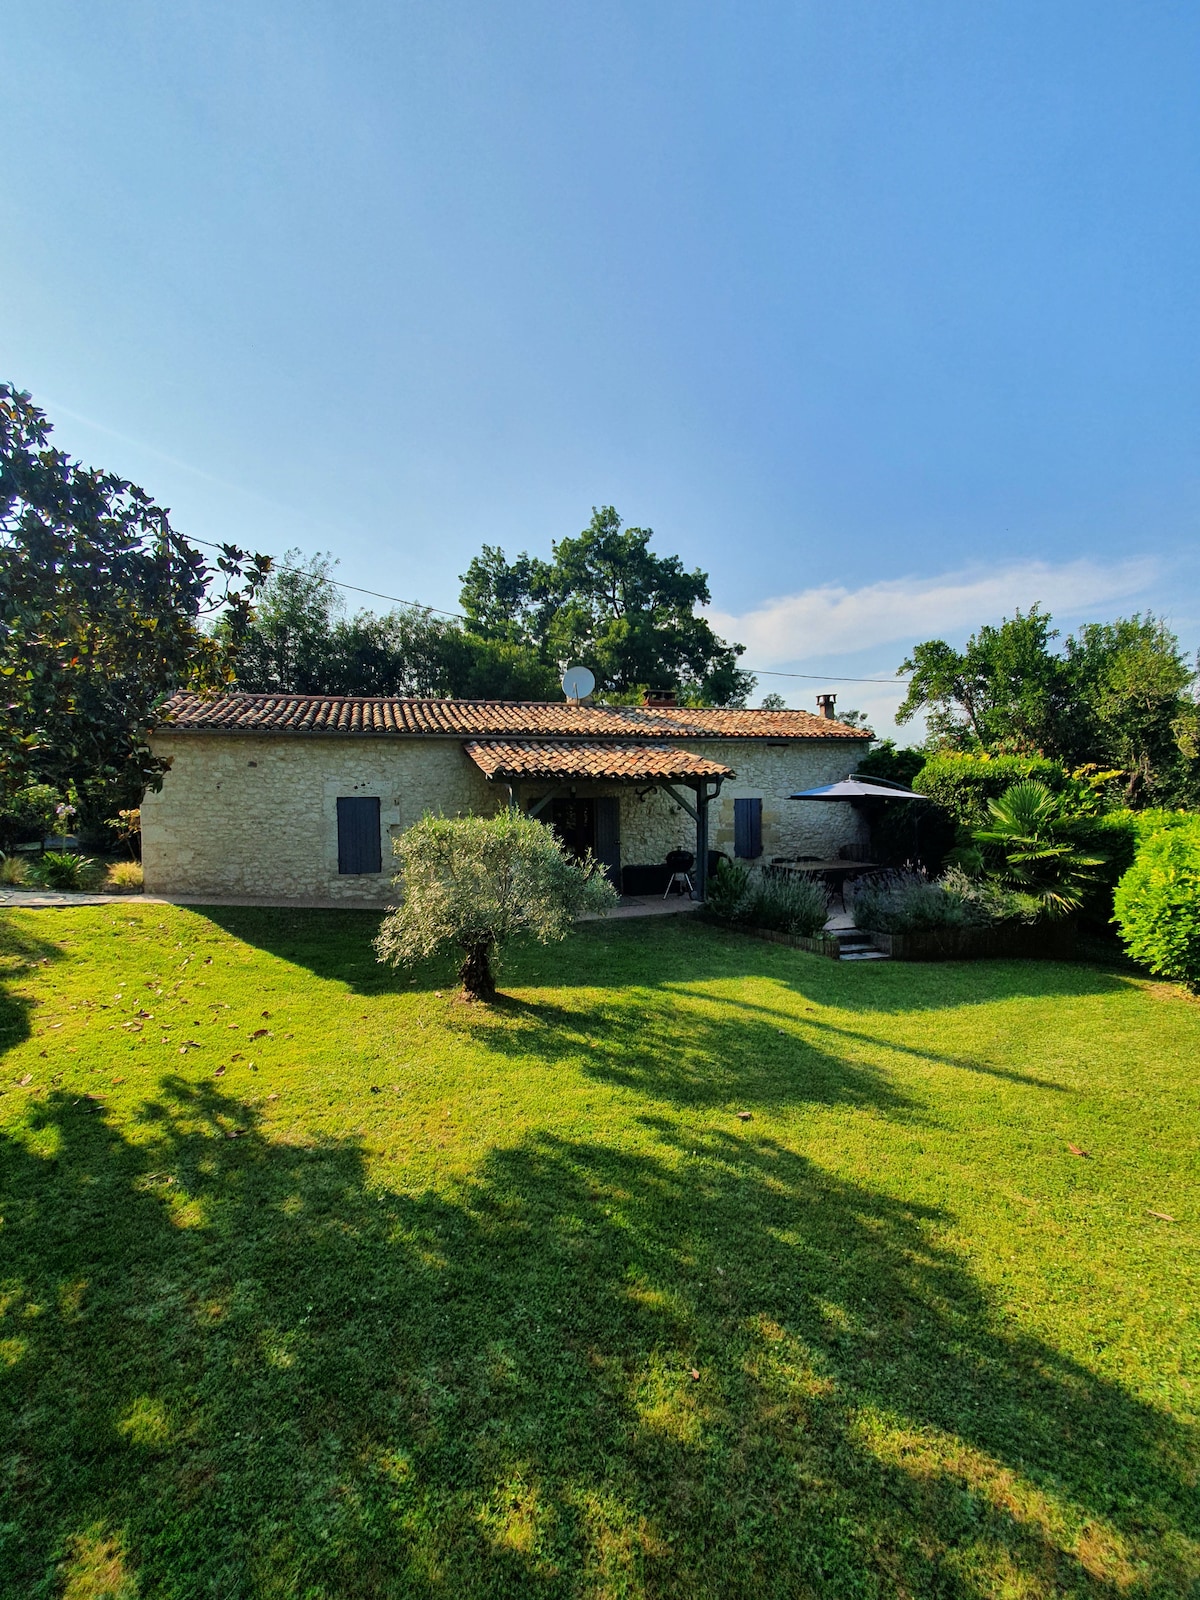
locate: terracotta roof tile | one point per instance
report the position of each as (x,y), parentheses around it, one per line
(596,759)
(383,717)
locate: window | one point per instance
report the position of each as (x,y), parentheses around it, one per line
(747,829)
(358,835)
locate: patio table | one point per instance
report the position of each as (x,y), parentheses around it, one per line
(835,873)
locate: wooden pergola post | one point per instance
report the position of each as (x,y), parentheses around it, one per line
(701,882)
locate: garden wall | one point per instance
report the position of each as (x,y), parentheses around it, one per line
(1049,941)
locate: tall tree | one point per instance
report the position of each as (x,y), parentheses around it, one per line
(1005,691)
(1118,694)
(102,608)
(299,641)
(1134,707)
(609,602)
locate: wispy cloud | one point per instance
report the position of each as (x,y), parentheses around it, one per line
(835,621)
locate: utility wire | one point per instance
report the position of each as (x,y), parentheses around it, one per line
(418,605)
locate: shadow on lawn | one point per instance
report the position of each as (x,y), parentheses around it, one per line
(238,1367)
(19,953)
(336,946)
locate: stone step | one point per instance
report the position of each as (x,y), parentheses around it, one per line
(856,946)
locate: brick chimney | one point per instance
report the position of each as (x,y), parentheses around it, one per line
(826,703)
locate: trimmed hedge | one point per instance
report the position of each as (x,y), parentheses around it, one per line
(963,784)
(1157,902)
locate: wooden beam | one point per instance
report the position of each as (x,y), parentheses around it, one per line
(679,800)
(546,799)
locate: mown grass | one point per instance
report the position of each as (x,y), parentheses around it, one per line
(409,1298)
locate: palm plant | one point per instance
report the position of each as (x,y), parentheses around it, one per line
(1039,847)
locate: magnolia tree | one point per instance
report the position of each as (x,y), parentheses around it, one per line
(470,884)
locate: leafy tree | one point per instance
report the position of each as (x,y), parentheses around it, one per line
(1035,835)
(300,642)
(607,601)
(1119,695)
(887,760)
(773,702)
(471,884)
(1004,691)
(1133,707)
(101,618)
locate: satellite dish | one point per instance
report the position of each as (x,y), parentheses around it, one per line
(577,683)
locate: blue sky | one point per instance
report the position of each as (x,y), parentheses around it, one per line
(883,314)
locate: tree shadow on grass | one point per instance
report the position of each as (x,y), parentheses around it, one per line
(690,1049)
(20,952)
(240,1367)
(337,946)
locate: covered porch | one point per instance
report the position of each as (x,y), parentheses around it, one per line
(576,787)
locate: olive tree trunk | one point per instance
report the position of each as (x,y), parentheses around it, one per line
(476,972)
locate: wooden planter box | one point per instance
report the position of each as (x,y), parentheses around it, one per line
(818,944)
(1043,942)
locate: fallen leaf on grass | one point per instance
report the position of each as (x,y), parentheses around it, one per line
(1161,1215)
(208,961)
(260,1033)
(1076,1151)
(695,1376)
(219,1073)
(235,1133)
(116,1080)
(28,1078)
(375,1089)
(189,1044)
(266,1013)
(743,1116)
(272,1097)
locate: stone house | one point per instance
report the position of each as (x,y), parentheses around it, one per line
(297,797)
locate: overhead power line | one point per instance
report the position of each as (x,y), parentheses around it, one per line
(419,605)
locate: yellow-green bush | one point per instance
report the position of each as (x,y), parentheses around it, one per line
(124,877)
(1157,903)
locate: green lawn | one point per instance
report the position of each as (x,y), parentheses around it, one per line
(404,1297)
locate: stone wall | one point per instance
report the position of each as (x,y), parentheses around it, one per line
(257,816)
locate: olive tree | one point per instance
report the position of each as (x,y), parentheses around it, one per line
(470,884)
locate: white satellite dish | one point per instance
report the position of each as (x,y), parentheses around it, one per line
(577,683)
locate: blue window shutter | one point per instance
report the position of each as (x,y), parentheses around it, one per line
(359,849)
(747,829)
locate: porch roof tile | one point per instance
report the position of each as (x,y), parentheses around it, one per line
(595,759)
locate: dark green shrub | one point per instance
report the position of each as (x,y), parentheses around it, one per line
(727,891)
(1157,903)
(911,902)
(62,869)
(907,902)
(30,815)
(786,904)
(892,764)
(963,784)
(768,899)
(1036,838)
(987,903)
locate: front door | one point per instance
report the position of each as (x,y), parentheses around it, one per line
(593,825)
(574,821)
